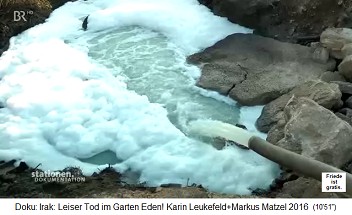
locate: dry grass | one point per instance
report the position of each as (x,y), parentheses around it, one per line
(43,4)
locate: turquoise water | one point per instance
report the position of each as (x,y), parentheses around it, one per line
(155,67)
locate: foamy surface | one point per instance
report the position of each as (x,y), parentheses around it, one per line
(124,87)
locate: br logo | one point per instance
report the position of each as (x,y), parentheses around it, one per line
(20,15)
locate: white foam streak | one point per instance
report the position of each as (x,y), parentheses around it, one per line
(213,128)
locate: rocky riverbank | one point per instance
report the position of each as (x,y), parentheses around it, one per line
(296,21)
(306,91)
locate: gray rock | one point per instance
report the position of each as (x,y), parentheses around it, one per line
(346,50)
(335,39)
(345,68)
(346,111)
(348,102)
(255,70)
(321,53)
(304,188)
(344,117)
(332,76)
(348,167)
(316,132)
(220,78)
(325,94)
(345,87)
(276,133)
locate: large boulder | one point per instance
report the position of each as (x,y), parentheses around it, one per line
(332,76)
(299,20)
(348,102)
(316,132)
(345,68)
(335,40)
(344,117)
(345,87)
(255,70)
(325,94)
(346,50)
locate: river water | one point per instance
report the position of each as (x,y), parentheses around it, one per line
(122,93)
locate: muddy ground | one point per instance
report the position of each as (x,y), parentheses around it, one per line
(17,182)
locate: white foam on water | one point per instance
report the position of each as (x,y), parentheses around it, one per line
(249,116)
(143,57)
(185,22)
(61,105)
